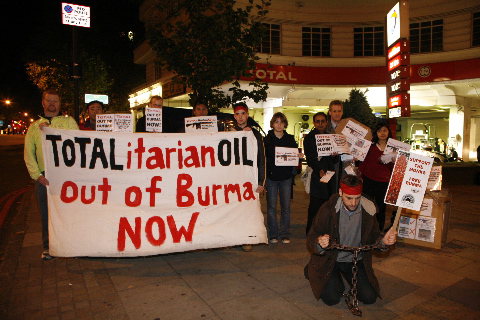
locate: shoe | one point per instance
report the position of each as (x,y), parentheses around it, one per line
(274,240)
(46,255)
(285,240)
(247,247)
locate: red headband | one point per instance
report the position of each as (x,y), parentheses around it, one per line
(240,107)
(351,190)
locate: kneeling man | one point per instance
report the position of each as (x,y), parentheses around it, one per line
(348,218)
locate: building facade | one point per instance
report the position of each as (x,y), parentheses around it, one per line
(318,51)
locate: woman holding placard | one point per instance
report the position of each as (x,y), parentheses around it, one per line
(375,173)
(280,173)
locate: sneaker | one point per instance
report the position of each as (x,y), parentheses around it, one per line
(285,240)
(247,247)
(46,255)
(274,240)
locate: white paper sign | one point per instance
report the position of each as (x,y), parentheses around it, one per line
(328,175)
(407,227)
(286,157)
(201,124)
(359,147)
(395,145)
(426,208)
(104,122)
(153,119)
(426,229)
(435,179)
(327,144)
(408,181)
(137,194)
(354,131)
(123,123)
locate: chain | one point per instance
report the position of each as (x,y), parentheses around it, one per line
(351,297)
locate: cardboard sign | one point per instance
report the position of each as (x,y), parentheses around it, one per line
(343,123)
(125,195)
(409,180)
(201,124)
(153,119)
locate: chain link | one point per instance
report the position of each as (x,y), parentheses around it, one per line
(351,297)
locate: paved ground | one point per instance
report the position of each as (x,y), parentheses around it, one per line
(267,283)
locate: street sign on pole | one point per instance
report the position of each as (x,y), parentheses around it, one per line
(75,15)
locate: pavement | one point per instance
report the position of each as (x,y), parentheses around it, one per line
(267,283)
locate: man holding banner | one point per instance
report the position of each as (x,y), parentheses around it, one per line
(33,154)
(348,218)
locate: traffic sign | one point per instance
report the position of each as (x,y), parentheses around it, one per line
(75,15)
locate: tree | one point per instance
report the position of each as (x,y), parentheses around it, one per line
(358,108)
(207,43)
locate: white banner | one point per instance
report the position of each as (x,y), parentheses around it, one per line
(121,194)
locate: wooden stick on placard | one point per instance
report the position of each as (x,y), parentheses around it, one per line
(397,218)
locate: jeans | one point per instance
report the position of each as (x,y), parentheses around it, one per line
(284,188)
(41,193)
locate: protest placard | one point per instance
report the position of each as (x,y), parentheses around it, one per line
(327,144)
(435,179)
(121,194)
(285,157)
(123,123)
(201,124)
(408,181)
(104,122)
(153,119)
(395,145)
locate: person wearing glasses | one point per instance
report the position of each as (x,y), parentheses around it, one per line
(319,192)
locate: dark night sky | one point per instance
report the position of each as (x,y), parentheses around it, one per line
(25,22)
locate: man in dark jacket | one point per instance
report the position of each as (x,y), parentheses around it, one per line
(319,192)
(241,117)
(348,218)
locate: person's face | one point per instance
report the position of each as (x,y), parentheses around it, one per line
(350,201)
(382,133)
(241,116)
(336,112)
(200,110)
(320,123)
(278,125)
(156,103)
(93,110)
(51,105)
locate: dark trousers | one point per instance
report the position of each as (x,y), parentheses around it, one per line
(334,288)
(41,193)
(377,190)
(315,204)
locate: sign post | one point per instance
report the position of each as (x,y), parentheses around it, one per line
(76,16)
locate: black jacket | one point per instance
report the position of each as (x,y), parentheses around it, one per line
(278,173)
(319,189)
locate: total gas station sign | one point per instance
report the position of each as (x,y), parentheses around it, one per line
(75,15)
